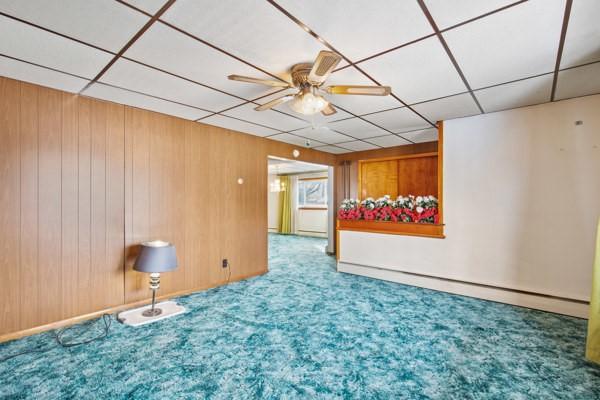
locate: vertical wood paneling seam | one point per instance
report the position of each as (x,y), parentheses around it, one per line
(37,251)
(124,250)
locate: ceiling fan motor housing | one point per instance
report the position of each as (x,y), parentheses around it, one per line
(300,74)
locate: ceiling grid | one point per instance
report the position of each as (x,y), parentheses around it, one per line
(355,128)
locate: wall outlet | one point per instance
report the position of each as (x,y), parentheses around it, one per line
(225,263)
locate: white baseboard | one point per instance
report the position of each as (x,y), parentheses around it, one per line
(518,298)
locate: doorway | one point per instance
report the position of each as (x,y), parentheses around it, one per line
(300,199)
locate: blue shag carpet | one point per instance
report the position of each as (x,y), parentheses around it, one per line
(305,331)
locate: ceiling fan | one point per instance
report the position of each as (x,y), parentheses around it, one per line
(308,79)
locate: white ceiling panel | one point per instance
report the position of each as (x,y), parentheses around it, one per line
(426,135)
(237,125)
(517,94)
(253,30)
(400,119)
(362,30)
(519,42)
(358,145)
(41,76)
(333,149)
(106,24)
(419,72)
(358,104)
(126,97)
(323,134)
(150,6)
(581,81)
(448,13)
(175,52)
(583,34)
(35,45)
(270,118)
(388,141)
(458,106)
(129,75)
(298,141)
(357,128)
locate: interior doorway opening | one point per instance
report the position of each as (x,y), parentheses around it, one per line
(300,199)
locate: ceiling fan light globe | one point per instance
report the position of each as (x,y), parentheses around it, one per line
(308,103)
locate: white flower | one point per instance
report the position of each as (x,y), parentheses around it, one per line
(419,199)
(431,198)
(419,209)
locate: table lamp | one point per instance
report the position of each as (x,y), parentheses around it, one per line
(155,257)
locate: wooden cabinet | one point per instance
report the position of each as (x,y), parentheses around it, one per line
(412,174)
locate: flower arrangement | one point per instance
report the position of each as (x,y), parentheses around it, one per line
(421,209)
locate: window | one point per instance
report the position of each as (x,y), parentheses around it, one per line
(312,193)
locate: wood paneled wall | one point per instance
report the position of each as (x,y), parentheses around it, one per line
(62,215)
(84,181)
(353,158)
(402,175)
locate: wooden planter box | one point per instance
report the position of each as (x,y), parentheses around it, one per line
(393,228)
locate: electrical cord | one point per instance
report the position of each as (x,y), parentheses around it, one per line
(58,335)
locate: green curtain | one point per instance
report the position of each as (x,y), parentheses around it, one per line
(592,351)
(285,205)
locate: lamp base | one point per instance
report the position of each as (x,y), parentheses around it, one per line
(140,316)
(152,312)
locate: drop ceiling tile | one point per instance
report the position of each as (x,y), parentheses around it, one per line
(253,30)
(323,134)
(580,81)
(358,104)
(517,94)
(40,76)
(583,34)
(37,46)
(109,25)
(298,141)
(357,128)
(516,43)
(362,30)
(448,13)
(419,72)
(270,118)
(358,145)
(426,135)
(388,141)
(180,54)
(239,126)
(452,107)
(399,119)
(150,6)
(104,92)
(130,75)
(333,149)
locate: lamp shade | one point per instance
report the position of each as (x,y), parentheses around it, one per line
(156,256)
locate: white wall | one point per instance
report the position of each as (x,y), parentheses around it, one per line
(521,203)
(273,205)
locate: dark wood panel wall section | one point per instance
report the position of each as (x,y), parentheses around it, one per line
(84,181)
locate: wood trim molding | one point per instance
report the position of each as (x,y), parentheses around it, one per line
(112,310)
(393,228)
(313,208)
(418,155)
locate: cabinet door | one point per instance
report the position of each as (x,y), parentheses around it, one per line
(378,178)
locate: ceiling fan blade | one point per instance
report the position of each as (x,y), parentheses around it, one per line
(329,110)
(267,82)
(274,102)
(360,90)
(324,64)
